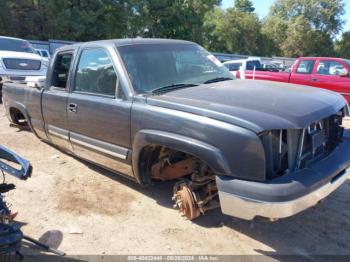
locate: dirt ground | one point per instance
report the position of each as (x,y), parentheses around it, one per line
(84,210)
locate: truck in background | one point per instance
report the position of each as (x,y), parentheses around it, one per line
(49,46)
(250,63)
(18,59)
(43,53)
(323,72)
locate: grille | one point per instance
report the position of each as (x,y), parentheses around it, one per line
(289,150)
(22,64)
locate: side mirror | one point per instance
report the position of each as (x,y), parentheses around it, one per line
(343,73)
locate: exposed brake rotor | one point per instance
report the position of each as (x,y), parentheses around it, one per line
(185,201)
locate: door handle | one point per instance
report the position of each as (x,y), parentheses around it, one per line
(72,107)
(314,79)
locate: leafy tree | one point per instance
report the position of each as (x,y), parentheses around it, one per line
(234,31)
(293,27)
(213,39)
(66,19)
(245,6)
(304,27)
(342,46)
(170,18)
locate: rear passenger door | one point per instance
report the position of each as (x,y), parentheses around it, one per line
(98,113)
(55,98)
(302,74)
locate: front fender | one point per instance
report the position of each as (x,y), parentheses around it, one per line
(211,155)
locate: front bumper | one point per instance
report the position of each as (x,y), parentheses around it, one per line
(287,195)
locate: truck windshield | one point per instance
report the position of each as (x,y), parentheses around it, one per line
(17,45)
(152,66)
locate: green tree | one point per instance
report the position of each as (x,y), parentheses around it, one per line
(65,19)
(170,18)
(342,46)
(234,31)
(5,18)
(245,6)
(213,39)
(304,27)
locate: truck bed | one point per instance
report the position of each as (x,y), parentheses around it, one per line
(18,96)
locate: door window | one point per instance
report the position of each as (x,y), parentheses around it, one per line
(61,69)
(347,62)
(331,68)
(305,67)
(95,73)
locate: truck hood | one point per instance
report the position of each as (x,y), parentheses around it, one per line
(23,55)
(255,105)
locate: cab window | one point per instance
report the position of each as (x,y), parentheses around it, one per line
(331,68)
(95,73)
(305,67)
(347,62)
(61,69)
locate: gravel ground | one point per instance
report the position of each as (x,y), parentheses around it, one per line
(83,210)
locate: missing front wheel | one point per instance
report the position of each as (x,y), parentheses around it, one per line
(194,199)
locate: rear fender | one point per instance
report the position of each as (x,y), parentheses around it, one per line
(19,106)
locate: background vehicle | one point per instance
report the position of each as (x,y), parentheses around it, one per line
(245,64)
(252,63)
(324,72)
(274,67)
(18,59)
(157,110)
(43,53)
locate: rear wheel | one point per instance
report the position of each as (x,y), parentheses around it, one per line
(17,118)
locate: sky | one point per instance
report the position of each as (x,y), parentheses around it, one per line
(262,8)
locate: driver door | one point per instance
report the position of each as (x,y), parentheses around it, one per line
(98,116)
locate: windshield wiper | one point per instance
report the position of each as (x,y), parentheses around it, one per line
(218,79)
(172,87)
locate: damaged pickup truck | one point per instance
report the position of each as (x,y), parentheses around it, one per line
(156,110)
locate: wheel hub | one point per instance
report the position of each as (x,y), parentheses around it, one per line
(185,201)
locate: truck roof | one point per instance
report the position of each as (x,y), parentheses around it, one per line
(323,58)
(126,41)
(242,60)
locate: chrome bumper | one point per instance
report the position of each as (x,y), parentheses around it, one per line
(248,209)
(289,194)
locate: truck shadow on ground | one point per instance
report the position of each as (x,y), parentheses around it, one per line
(323,229)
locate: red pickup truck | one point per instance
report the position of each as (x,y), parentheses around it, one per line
(324,72)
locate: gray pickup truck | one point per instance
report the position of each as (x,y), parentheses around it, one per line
(156,110)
